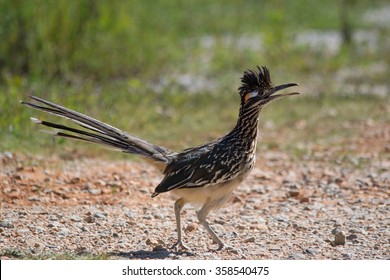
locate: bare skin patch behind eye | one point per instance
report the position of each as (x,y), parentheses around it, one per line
(250,95)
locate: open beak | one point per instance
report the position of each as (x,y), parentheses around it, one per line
(273,96)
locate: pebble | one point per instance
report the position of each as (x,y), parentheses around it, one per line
(339,239)
(250,239)
(99,215)
(159,216)
(63,231)
(6,224)
(22,231)
(89,219)
(54,224)
(310,251)
(332,189)
(297,256)
(154,241)
(39,229)
(148,217)
(130,214)
(351,237)
(159,248)
(191,227)
(346,256)
(101,183)
(16,177)
(52,218)
(304,200)
(274,248)
(75,218)
(95,191)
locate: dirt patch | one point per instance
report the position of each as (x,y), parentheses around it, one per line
(334,203)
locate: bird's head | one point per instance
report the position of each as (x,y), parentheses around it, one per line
(257,88)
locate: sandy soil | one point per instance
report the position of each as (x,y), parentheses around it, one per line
(332,204)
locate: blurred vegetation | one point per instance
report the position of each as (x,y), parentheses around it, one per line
(119,61)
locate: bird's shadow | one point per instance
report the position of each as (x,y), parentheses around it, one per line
(162,253)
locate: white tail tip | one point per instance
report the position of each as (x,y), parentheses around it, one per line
(35,120)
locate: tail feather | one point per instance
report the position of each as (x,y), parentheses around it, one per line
(90,137)
(98,132)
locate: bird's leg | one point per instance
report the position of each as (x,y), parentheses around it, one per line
(202,214)
(179,244)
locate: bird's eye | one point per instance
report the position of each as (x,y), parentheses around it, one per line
(250,95)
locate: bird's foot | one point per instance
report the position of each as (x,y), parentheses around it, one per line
(179,246)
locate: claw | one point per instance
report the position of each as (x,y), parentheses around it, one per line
(179,246)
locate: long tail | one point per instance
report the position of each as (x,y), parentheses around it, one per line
(97,132)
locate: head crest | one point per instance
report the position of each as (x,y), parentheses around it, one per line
(255,80)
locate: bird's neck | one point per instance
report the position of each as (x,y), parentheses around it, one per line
(246,127)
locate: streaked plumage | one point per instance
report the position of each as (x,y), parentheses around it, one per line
(204,175)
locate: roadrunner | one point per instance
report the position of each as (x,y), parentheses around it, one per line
(204,175)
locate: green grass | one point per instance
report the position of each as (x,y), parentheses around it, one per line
(106,60)
(202,117)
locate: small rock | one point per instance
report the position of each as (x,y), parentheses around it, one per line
(159,216)
(75,218)
(22,231)
(234,251)
(154,242)
(99,215)
(293,193)
(114,184)
(358,231)
(262,227)
(297,256)
(6,224)
(304,200)
(219,221)
(274,248)
(241,227)
(52,218)
(339,239)
(310,251)
(89,219)
(159,247)
(346,256)
(148,217)
(332,189)
(54,224)
(130,214)
(75,180)
(101,183)
(351,237)
(191,227)
(16,177)
(249,240)
(95,191)
(63,231)
(39,229)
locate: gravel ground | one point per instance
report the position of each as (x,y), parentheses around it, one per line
(332,204)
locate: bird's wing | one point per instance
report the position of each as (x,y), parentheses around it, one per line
(194,170)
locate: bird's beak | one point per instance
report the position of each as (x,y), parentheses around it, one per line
(273,96)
